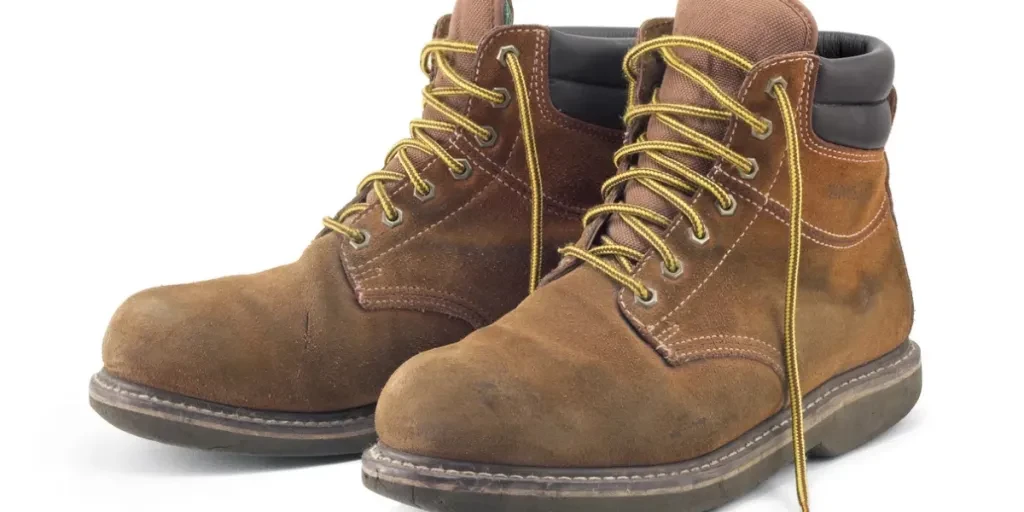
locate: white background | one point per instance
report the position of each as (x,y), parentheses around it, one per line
(149,142)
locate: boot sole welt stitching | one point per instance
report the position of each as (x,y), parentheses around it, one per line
(841,415)
(179,420)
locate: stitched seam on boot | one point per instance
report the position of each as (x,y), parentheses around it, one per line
(467,310)
(727,352)
(450,146)
(717,169)
(473,199)
(537,93)
(434,304)
(761,208)
(877,226)
(366,275)
(822,231)
(744,348)
(544,107)
(231,416)
(713,337)
(564,210)
(757,215)
(375,452)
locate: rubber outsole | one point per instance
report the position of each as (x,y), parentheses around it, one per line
(182,421)
(840,416)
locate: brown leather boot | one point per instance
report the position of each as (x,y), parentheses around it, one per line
(750,228)
(519,128)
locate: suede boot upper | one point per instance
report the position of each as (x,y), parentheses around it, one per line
(683,350)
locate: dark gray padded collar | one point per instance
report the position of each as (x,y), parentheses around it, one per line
(585,72)
(601,32)
(580,54)
(854,69)
(854,82)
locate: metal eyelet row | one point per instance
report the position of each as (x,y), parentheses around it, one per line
(680,267)
(431,193)
(722,210)
(763,135)
(467,169)
(492,135)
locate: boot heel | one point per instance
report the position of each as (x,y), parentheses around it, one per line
(860,421)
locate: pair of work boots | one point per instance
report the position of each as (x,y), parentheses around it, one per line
(738,298)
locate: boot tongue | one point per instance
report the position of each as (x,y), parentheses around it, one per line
(471,21)
(754,29)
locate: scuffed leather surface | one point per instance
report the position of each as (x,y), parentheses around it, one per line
(580,375)
(324,333)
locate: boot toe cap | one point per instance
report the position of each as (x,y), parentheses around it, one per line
(151,340)
(444,406)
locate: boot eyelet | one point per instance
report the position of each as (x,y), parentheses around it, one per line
(505,95)
(698,240)
(753,170)
(490,140)
(730,211)
(763,135)
(504,52)
(770,88)
(365,241)
(399,217)
(672,275)
(467,170)
(650,302)
(426,196)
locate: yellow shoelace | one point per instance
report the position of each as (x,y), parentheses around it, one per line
(433,59)
(673,175)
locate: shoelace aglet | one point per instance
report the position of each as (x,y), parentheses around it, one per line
(801,492)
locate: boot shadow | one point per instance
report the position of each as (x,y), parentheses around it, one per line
(118,453)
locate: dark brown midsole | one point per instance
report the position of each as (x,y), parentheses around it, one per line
(883,391)
(177,419)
